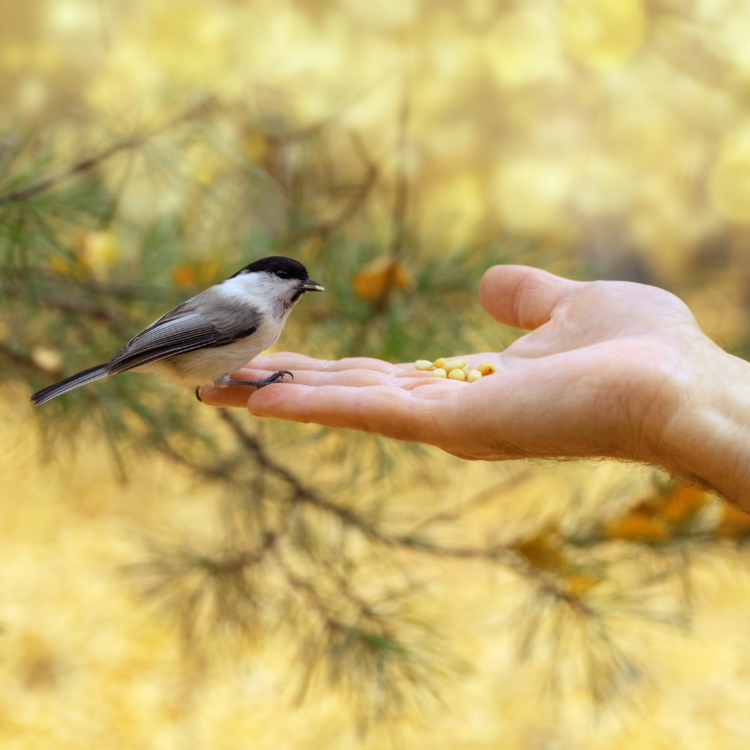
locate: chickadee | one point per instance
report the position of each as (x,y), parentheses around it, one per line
(213,334)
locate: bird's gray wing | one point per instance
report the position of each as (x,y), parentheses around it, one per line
(183,330)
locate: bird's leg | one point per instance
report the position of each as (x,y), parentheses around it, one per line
(277,377)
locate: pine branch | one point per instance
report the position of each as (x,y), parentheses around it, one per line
(75,305)
(347,213)
(398,218)
(304,494)
(398,229)
(90,162)
(481,498)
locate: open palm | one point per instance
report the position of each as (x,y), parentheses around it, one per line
(603,373)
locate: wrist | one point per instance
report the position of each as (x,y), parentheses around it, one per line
(707,441)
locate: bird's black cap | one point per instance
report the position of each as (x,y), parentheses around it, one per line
(278,265)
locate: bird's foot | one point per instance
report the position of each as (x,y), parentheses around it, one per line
(277,377)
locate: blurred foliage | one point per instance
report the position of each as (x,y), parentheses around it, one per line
(397,150)
(75,274)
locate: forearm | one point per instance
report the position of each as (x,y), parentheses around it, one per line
(707,442)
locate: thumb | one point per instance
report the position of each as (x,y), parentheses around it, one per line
(523,297)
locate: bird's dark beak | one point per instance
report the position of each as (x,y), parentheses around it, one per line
(312,286)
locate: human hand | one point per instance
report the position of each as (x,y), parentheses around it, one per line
(611,369)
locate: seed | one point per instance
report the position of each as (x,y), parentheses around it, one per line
(455,369)
(455,364)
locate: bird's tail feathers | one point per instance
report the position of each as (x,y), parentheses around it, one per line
(80,378)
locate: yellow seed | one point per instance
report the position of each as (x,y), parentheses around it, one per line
(487,368)
(473,375)
(467,369)
(439,373)
(439,362)
(457,375)
(422,364)
(455,364)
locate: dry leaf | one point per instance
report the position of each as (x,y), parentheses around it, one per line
(734,523)
(579,584)
(684,502)
(543,553)
(184,275)
(372,282)
(639,524)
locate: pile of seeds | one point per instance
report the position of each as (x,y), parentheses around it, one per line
(455,369)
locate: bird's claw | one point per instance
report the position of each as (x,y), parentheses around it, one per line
(277,377)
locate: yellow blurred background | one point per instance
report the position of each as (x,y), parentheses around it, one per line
(614,132)
(618,128)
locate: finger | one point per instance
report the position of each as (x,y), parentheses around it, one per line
(238,395)
(234,395)
(403,376)
(354,371)
(393,412)
(268,363)
(292,361)
(523,297)
(354,378)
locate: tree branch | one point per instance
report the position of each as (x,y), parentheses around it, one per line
(88,163)
(303,494)
(347,213)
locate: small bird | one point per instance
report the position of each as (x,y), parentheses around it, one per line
(204,340)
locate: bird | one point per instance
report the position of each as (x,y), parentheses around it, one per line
(205,339)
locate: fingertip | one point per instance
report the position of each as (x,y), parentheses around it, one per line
(213,396)
(205,395)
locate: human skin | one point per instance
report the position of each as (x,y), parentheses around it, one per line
(610,369)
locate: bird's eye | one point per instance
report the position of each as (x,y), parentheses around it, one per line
(282,274)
